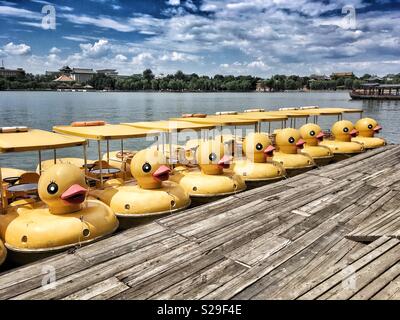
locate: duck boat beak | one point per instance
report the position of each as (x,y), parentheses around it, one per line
(300,144)
(354,133)
(320,136)
(377,129)
(225,162)
(75,194)
(162,173)
(269,151)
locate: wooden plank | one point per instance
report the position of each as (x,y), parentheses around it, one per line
(99,291)
(387,224)
(336,274)
(258,249)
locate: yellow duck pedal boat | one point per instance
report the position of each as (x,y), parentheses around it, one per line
(367,128)
(210,182)
(63,219)
(312,134)
(258,168)
(288,142)
(342,146)
(151,196)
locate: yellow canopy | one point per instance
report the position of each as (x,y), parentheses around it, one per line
(106,132)
(169,126)
(262,116)
(325,111)
(220,120)
(35,140)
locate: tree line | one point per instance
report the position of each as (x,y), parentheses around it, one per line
(180,81)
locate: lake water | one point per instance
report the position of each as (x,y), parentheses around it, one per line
(43,110)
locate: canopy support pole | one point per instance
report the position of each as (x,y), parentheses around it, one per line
(108,152)
(85,160)
(40,162)
(3,198)
(100,163)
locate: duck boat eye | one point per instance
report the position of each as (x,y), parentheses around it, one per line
(212,156)
(346,129)
(146,167)
(259,146)
(52,188)
(312,133)
(291,140)
(370,126)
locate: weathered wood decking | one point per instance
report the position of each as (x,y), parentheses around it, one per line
(290,240)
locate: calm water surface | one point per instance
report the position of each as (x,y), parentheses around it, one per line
(43,110)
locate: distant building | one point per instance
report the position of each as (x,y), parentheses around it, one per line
(108,72)
(66,70)
(9,73)
(82,75)
(337,75)
(64,78)
(262,87)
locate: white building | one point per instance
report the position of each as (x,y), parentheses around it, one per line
(82,75)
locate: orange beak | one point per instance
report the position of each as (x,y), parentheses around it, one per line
(225,162)
(320,136)
(300,144)
(269,151)
(162,173)
(74,195)
(354,133)
(377,128)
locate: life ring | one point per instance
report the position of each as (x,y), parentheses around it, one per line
(254,110)
(13,129)
(88,123)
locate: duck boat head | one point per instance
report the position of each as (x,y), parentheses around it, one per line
(63,188)
(211,158)
(344,130)
(312,134)
(149,168)
(258,147)
(289,141)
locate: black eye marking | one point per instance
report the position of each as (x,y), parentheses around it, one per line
(259,146)
(52,188)
(370,126)
(312,133)
(146,167)
(291,140)
(346,129)
(212,156)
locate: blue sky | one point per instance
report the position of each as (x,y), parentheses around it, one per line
(258,37)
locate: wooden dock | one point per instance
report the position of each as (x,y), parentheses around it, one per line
(331,233)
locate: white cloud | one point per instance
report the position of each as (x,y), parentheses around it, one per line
(121,58)
(144,58)
(97,50)
(20,13)
(174,2)
(17,49)
(54,50)
(101,21)
(178,56)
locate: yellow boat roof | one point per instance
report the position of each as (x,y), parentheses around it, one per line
(219,120)
(262,116)
(325,111)
(106,132)
(171,125)
(35,140)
